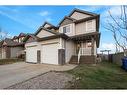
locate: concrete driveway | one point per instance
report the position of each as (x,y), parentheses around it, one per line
(21,71)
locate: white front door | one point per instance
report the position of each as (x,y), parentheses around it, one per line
(49,53)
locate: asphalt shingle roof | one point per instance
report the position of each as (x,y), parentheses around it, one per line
(10,42)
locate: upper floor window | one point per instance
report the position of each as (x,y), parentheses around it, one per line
(66,29)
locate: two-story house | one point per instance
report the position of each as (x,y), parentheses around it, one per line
(74,40)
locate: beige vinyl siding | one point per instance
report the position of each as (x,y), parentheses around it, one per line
(61,43)
(80,28)
(91,26)
(38,44)
(84,27)
(69,50)
(49,41)
(77,15)
(44,33)
(31,44)
(66,21)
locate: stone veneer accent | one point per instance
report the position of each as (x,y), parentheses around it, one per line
(61,56)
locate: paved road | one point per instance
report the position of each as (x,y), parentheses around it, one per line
(21,71)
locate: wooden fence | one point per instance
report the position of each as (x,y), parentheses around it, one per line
(116,58)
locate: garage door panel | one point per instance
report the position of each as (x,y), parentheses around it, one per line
(50,53)
(31,54)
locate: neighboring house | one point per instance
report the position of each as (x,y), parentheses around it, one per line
(10,48)
(19,38)
(75,40)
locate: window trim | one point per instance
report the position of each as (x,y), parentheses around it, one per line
(66,28)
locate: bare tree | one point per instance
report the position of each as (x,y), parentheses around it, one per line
(3,34)
(118,26)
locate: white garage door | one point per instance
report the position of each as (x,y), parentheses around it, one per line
(31,54)
(49,53)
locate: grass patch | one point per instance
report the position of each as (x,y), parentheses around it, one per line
(101,76)
(9,61)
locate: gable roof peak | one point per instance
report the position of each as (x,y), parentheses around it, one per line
(30,35)
(70,18)
(22,34)
(82,11)
(48,30)
(48,24)
(66,17)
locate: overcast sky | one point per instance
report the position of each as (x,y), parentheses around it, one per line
(27,19)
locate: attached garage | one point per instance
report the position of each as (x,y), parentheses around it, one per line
(47,48)
(31,54)
(49,53)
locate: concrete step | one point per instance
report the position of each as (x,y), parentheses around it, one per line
(74,63)
(74,60)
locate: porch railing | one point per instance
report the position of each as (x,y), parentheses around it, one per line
(85,51)
(79,54)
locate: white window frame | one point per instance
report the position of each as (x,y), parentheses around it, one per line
(66,28)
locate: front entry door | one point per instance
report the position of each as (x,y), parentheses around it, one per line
(38,56)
